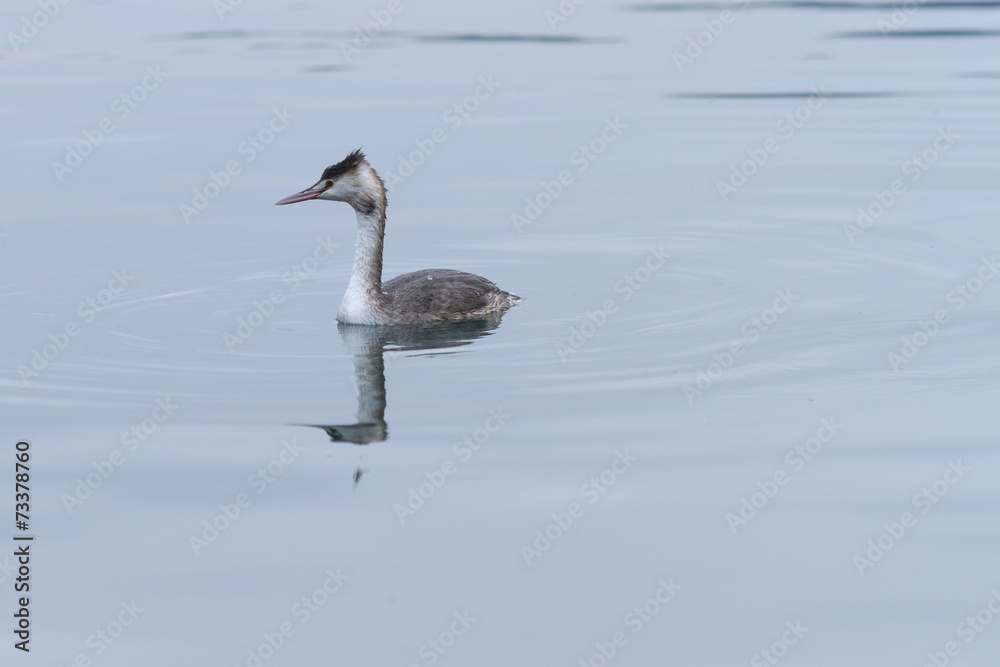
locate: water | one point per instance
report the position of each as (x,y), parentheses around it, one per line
(693,336)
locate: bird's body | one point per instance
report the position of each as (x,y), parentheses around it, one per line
(430,295)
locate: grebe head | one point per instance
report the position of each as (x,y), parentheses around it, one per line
(351,180)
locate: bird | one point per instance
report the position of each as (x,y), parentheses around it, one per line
(420,297)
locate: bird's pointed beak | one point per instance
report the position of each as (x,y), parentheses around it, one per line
(305,195)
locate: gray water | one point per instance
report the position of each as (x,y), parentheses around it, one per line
(731,414)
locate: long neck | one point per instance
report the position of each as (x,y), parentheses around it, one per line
(369,375)
(366,279)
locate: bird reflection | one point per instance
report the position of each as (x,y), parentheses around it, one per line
(371,347)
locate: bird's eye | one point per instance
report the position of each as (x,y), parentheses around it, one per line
(329,184)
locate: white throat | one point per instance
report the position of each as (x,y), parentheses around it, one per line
(362,300)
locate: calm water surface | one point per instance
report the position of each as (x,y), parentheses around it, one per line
(747,404)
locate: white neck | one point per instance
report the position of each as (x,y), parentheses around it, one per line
(364,291)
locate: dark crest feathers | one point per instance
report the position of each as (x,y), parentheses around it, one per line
(348,164)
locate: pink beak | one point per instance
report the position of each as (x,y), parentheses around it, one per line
(305,195)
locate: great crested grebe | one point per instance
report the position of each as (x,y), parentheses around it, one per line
(431,295)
